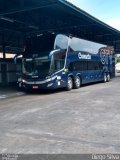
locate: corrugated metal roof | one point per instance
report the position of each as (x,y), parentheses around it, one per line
(21,17)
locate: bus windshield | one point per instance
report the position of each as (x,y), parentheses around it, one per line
(39,43)
(61,42)
(58,58)
(37,66)
(77,44)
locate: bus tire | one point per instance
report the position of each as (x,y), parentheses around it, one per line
(105,78)
(77,82)
(69,84)
(108,77)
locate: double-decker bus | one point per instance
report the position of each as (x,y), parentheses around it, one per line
(60,61)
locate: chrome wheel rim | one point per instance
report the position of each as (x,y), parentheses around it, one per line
(108,77)
(105,78)
(77,82)
(69,83)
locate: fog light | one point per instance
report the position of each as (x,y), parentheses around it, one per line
(58,77)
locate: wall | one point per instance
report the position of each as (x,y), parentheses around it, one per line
(8,72)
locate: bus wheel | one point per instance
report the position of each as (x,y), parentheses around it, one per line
(108,77)
(69,84)
(105,78)
(77,82)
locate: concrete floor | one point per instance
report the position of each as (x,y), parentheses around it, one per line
(86,120)
(8,92)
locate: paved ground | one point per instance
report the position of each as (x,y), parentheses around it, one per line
(86,120)
(8,92)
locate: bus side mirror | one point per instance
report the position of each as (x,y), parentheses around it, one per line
(17,57)
(15,60)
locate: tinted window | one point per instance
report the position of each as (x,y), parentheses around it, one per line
(78,44)
(71,67)
(78,66)
(85,65)
(58,60)
(93,65)
(40,43)
(61,42)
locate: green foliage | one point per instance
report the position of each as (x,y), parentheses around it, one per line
(117,60)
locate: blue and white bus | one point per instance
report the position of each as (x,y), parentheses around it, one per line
(59,61)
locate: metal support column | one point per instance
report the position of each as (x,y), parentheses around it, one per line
(3,48)
(3,45)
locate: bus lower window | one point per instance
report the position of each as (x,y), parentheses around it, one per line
(85,65)
(59,64)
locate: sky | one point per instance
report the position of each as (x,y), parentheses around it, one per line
(107,11)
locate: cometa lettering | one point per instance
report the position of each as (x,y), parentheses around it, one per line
(83,56)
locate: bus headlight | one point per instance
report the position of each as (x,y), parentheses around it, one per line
(23,81)
(19,79)
(58,77)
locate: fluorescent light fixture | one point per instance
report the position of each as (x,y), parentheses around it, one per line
(38,35)
(7,19)
(34,27)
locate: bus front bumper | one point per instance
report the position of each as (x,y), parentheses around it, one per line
(34,85)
